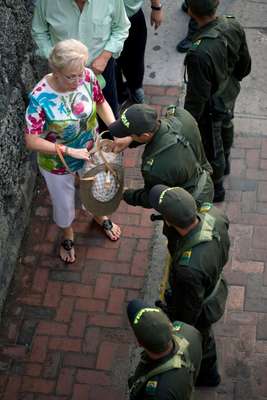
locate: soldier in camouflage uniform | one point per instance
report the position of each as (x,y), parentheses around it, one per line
(215,64)
(198,291)
(171,358)
(173,154)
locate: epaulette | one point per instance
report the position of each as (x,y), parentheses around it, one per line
(185,258)
(205,207)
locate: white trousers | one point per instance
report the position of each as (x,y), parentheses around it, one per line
(62,192)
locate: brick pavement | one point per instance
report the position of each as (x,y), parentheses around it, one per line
(64,334)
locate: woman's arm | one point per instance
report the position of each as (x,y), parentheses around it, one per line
(105,112)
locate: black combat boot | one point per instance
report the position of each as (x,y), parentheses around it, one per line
(227,168)
(219,192)
(184,45)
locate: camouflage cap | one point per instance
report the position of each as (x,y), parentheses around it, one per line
(151,326)
(135,120)
(176,205)
(203,7)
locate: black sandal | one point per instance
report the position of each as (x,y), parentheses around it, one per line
(107,225)
(67,245)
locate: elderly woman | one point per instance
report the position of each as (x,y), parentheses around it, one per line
(62,115)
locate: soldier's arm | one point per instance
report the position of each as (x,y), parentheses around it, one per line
(199,82)
(137,197)
(243,65)
(187,295)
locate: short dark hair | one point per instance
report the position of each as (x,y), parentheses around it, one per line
(203,8)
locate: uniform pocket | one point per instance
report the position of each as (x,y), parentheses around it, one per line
(102,28)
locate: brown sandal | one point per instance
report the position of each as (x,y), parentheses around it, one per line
(68,246)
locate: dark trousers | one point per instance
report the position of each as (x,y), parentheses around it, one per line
(131,62)
(110,90)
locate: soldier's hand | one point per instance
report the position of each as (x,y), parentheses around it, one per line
(120,144)
(156,18)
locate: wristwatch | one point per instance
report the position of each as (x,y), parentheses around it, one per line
(156,8)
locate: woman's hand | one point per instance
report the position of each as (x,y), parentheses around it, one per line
(119,144)
(81,154)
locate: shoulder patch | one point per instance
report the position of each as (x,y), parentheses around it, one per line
(177,325)
(151,387)
(185,258)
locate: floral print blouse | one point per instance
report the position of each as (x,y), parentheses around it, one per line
(66,118)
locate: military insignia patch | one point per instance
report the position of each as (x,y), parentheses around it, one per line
(185,257)
(151,387)
(177,326)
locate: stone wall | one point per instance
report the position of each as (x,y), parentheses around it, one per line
(17,176)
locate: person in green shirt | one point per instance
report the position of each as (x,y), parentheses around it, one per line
(99,24)
(131,62)
(171,356)
(215,64)
(173,153)
(197,289)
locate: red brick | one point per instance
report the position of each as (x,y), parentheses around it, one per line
(64,311)
(102,286)
(91,340)
(132,294)
(33,299)
(12,388)
(127,219)
(154,90)
(52,233)
(90,305)
(81,227)
(127,248)
(53,294)
(15,352)
(143,245)
(37,385)
(78,360)
(107,321)
(43,248)
(247,143)
(93,377)
(80,392)
(139,264)
(78,324)
(39,349)
(106,356)
(263,164)
(259,239)
(32,369)
(137,232)
(248,266)
(115,267)
(172,91)
(77,290)
(99,254)
(163,100)
(116,301)
(51,328)
(238,168)
(110,393)
(129,282)
(65,381)
(252,158)
(40,280)
(64,344)
(264,148)
(12,331)
(236,298)
(255,174)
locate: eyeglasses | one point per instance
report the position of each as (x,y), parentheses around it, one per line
(74,78)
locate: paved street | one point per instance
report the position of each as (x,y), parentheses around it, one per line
(64,333)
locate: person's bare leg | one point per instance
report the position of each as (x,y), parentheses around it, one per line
(66,251)
(113,232)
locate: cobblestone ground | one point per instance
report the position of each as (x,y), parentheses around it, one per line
(64,334)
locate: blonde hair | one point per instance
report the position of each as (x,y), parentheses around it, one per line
(69,52)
